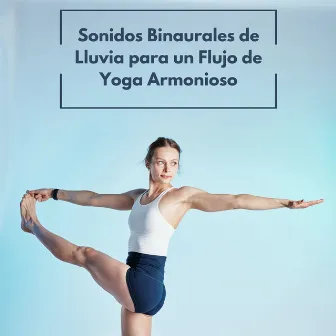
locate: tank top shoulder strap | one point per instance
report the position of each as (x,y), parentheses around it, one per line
(138,199)
(162,194)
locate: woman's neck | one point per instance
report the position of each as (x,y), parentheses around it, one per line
(157,189)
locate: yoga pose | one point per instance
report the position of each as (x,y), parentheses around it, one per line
(138,284)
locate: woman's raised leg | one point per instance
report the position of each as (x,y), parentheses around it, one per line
(109,273)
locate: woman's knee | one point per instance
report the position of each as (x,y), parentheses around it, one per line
(82,255)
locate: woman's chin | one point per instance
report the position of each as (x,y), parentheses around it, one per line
(165,180)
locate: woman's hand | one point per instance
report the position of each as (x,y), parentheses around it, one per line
(40,195)
(302,204)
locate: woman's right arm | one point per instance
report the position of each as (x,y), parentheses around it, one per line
(122,201)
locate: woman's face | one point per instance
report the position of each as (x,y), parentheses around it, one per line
(164,164)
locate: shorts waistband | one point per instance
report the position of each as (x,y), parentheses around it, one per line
(153,265)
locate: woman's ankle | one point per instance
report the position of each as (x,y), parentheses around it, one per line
(32,224)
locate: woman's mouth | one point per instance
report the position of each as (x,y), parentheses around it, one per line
(165,176)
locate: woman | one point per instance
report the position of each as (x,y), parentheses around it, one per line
(155,214)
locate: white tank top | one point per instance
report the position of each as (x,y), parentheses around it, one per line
(150,232)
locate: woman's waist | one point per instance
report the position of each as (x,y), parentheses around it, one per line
(152,248)
(158,261)
(153,265)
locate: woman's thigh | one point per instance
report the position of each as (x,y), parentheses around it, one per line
(135,324)
(109,273)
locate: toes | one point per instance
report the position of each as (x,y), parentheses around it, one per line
(27,197)
(24,200)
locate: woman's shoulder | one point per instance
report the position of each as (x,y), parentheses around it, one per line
(188,190)
(135,193)
(185,192)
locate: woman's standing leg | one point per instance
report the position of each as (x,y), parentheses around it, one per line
(109,273)
(135,324)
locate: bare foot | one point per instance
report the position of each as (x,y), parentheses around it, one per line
(28,213)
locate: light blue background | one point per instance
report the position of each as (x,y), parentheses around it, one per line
(228,273)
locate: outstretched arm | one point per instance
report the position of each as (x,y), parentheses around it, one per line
(123,201)
(204,201)
(79,197)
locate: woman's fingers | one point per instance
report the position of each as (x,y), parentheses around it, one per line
(315,202)
(310,203)
(34,193)
(38,196)
(302,204)
(31,192)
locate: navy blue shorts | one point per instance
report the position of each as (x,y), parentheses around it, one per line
(145,279)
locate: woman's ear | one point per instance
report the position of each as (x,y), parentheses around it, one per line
(147,165)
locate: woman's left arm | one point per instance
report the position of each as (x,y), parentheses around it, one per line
(204,201)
